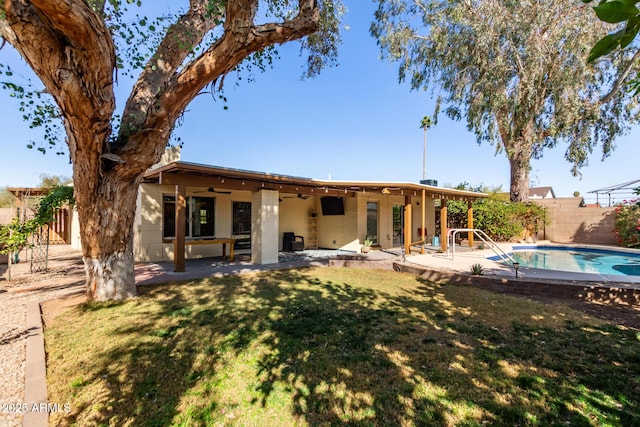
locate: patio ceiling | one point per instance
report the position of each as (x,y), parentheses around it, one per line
(198,175)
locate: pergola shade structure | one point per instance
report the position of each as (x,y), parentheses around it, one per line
(266,186)
(626,189)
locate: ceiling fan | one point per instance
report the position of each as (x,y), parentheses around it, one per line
(212,190)
(299,196)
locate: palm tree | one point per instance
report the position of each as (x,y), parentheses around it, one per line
(425,124)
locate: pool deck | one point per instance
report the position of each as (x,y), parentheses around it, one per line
(465,257)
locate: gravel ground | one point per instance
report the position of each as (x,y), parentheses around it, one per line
(65,276)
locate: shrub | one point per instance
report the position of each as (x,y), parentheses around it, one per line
(501,220)
(627,226)
(497,218)
(15,236)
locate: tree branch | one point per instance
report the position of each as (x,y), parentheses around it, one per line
(77,21)
(516,54)
(70,49)
(620,80)
(179,41)
(240,39)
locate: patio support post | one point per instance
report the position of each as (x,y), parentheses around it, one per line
(470,222)
(264,227)
(407,225)
(180,228)
(424,231)
(443,226)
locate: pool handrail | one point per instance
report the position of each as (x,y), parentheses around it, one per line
(451,238)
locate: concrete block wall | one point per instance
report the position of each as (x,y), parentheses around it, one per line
(567,222)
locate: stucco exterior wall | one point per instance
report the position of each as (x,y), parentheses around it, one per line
(148,227)
(264,219)
(75,229)
(149,245)
(137,223)
(430,218)
(385,216)
(339,231)
(294,216)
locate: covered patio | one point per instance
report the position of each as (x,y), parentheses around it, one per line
(267,191)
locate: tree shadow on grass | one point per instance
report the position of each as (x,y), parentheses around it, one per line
(335,353)
(146,366)
(364,357)
(572,374)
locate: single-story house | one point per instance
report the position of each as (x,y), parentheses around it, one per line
(541,193)
(188,210)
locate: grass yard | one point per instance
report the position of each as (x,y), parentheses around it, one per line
(338,347)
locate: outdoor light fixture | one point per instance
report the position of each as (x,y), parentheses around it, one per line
(516,266)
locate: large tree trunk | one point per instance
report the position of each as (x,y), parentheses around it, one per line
(111,276)
(106,212)
(519,183)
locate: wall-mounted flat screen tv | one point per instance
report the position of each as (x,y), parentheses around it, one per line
(332,205)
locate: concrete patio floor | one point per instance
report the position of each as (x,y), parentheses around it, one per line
(158,272)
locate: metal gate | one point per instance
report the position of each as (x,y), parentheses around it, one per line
(39,250)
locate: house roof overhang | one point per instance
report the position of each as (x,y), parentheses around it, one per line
(199,175)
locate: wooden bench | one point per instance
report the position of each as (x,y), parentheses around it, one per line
(219,241)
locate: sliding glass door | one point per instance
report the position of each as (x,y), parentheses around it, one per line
(372,221)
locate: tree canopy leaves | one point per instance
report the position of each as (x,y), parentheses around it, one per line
(616,12)
(141,33)
(516,71)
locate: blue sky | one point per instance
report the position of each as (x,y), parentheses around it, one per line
(353,122)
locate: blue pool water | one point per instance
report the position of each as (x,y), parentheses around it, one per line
(579,260)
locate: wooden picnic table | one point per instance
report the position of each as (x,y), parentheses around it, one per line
(217,241)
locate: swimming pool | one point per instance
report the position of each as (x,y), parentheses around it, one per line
(578,260)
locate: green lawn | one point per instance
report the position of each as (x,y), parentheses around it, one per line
(338,347)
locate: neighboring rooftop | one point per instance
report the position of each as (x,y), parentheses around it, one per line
(541,193)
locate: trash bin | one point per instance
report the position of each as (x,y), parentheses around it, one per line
(435,241)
